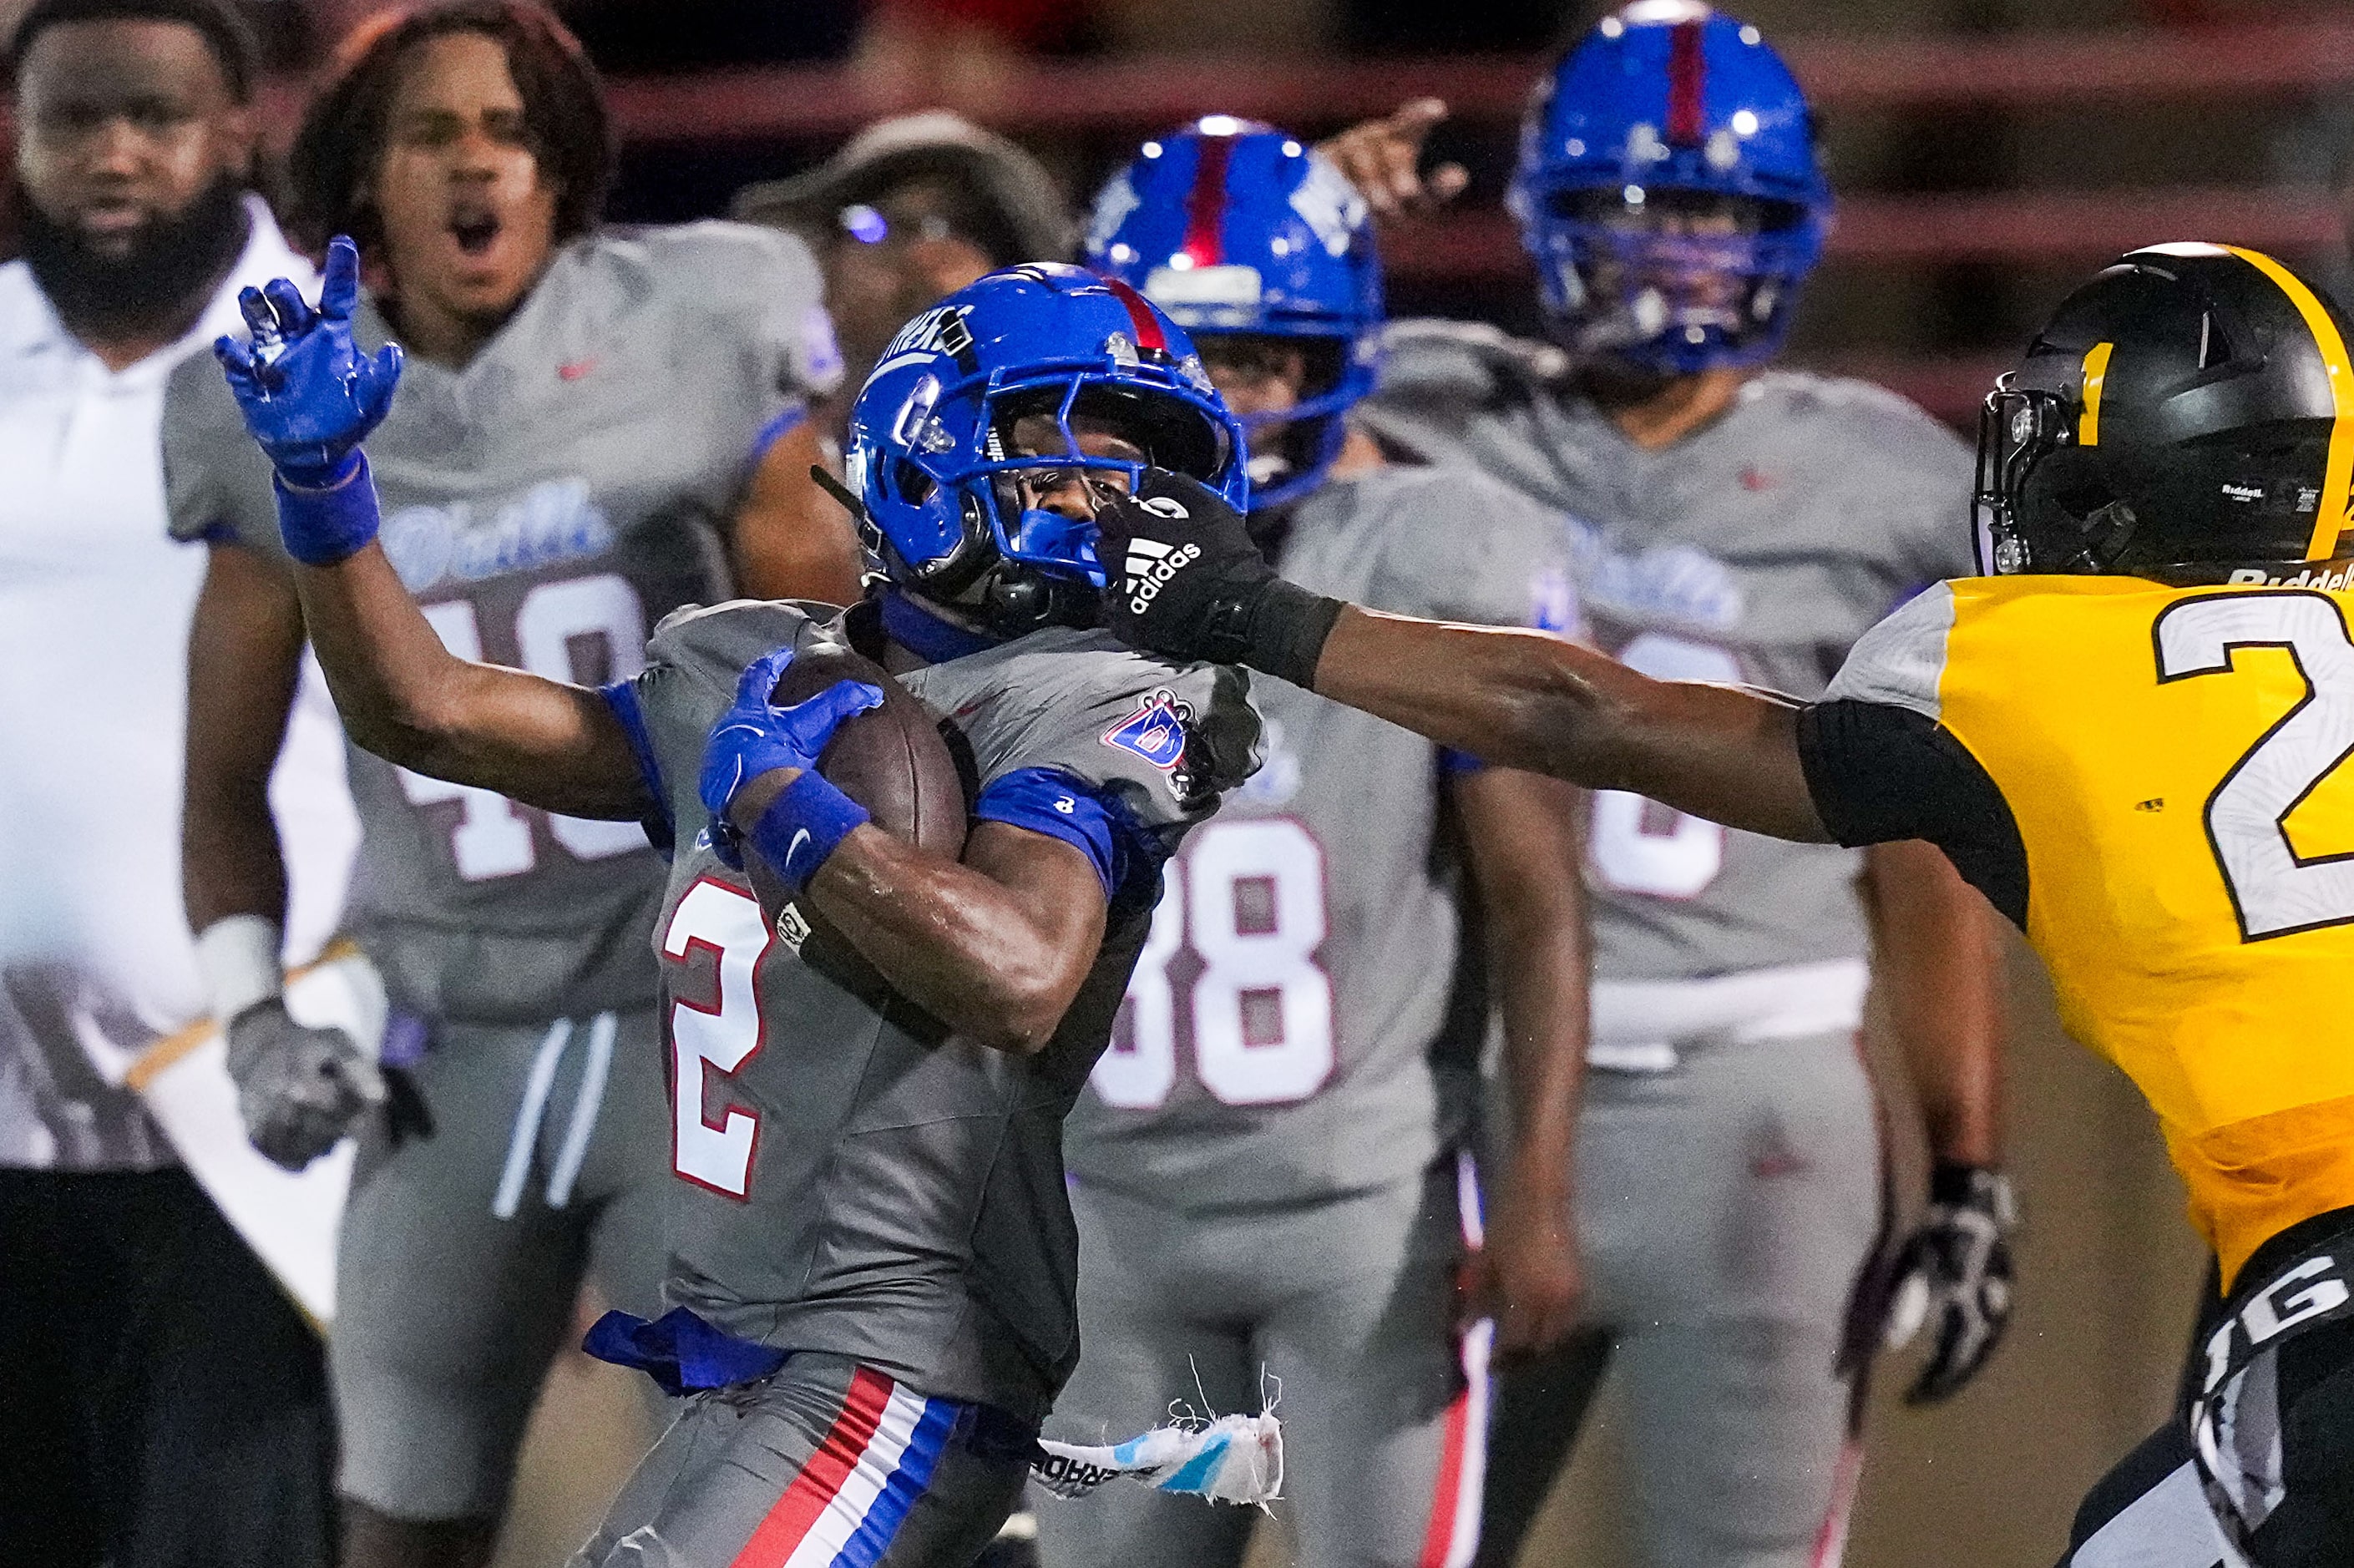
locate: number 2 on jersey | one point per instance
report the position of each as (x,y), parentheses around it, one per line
(2275,891)
(1251,896)
(717,1037)
(493,838)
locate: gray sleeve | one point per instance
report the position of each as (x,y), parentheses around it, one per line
(1159,743)
(692,662)
(1898,662)
(1457,546)
(765,282)
(1438,376)
(215,481)
(1927,472)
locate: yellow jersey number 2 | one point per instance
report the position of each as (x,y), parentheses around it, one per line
(2275,891)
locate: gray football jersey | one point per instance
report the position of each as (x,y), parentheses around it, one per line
(1755,550)
(856,1179)
(1277,1045)
(547,506)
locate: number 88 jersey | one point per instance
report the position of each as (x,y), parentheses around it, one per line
(1278,1038)
(2149,781)
(546,505)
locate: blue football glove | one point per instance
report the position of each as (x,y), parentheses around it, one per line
(308,393)
(804,824)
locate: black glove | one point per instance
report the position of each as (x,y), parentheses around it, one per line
(1187,581)
(1955,1267)
(298,1089)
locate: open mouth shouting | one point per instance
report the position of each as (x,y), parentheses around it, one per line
(475,228)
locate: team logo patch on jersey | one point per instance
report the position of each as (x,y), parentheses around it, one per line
(1155,731)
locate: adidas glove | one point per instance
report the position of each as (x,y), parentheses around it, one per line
(1187,581)
(1956,1269)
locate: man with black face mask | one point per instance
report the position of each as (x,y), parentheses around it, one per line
(164,1403)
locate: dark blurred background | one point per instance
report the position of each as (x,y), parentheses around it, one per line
(1985,151)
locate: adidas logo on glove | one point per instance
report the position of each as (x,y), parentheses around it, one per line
(1151,563)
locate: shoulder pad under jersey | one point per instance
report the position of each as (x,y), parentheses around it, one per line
(1428,358)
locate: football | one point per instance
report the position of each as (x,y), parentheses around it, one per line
(890,760)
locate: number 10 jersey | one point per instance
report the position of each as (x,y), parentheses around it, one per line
(547,504)
(2148,780)
(1754,550)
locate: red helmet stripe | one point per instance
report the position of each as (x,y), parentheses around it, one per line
(1686,75)
(1149,335)
(1205,204)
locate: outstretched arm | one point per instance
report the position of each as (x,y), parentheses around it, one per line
(1527,700)
(410,700)
(1518,699)
(309,398)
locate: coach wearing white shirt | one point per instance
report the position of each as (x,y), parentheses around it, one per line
(161,1402)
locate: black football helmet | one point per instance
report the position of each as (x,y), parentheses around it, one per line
(2188,416)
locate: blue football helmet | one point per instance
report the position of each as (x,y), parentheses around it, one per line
(1669,191)
(1238,230)
(931,455)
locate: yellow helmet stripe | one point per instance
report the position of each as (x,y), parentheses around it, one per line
(2329,518)
(2096,371)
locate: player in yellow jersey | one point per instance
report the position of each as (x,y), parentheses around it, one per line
(2129,735)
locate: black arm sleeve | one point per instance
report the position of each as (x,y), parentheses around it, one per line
(1880,773)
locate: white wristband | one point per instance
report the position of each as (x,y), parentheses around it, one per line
(238,956)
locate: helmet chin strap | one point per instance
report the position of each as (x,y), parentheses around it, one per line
(925,632)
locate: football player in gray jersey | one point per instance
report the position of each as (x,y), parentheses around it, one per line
(1729,1191)
(874,1259)
(1271,1168)
(598,426)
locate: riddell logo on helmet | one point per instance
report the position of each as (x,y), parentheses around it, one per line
(2342,576)
(1150,564)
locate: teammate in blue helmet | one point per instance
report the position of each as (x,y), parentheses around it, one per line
(1669,192)
(1271,1170)
(870,1246)
(1263,250)
(1728,1201)
(974,442)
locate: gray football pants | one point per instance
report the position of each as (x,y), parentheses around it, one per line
(1725,1211)
(543,1157)
(1349,1308)
(826,1465)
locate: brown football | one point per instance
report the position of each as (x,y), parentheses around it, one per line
(890,760)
